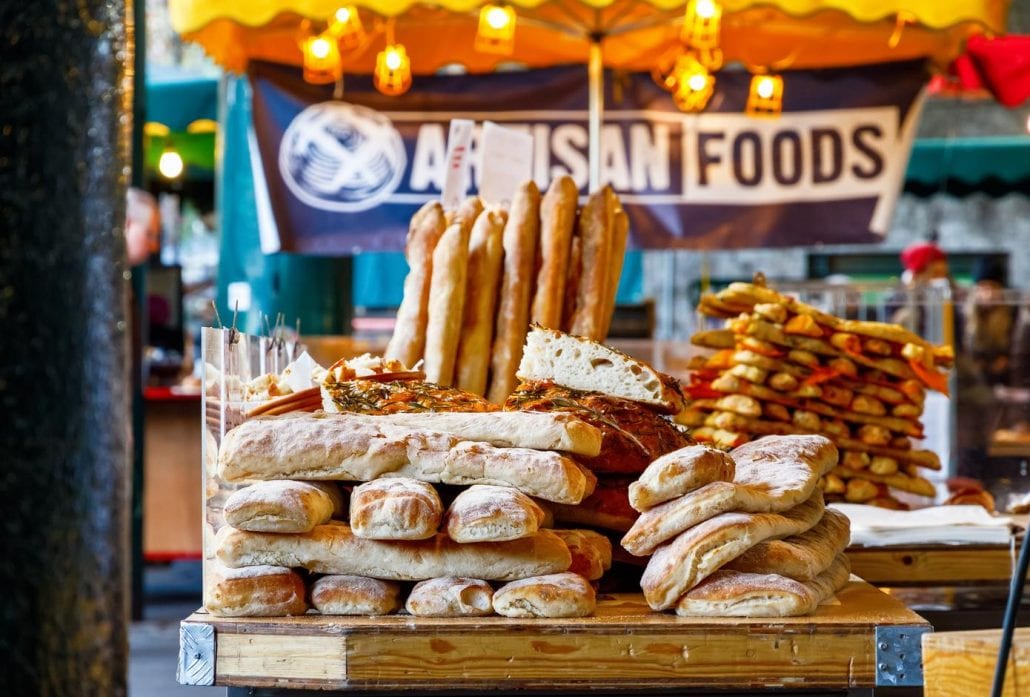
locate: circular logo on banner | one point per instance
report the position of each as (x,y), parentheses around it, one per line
(341,157)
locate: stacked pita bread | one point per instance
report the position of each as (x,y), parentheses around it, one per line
(784,367)
(478,277)
(740,534)
(502,470)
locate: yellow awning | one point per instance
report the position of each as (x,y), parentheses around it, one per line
(778,34)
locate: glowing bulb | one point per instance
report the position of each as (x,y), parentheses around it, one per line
(320,48)
(697,82)
(343,15)
(496,17)
(393,59)
(705,9)
(393,70)
(170,165)
(765,88)
(765,98)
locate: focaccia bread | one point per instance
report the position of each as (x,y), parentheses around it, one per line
(484,513)
(554,595)
(355,595)
(255,591)
(581,364)
(801,557)
(451,596)
(349,447)
(738,594)
(680,565)
(679,473)
(395,508)
(591,552)
(334,549)
(280,506)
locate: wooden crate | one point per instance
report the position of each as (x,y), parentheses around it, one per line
(961,664)
(625,645)
(933,565)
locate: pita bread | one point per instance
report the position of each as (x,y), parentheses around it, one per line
(801,557)
(739,594)
(697,553)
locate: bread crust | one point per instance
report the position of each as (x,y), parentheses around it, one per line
(520,238)
(355,595)
(257,591)
(484,513)
(486,254)
(408,341)
(554,595)
(279,506)
(557,221)
(334,549)
(451,596)
(395,509)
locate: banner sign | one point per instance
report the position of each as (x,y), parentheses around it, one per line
(346,176)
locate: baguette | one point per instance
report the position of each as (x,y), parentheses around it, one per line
(520,236)
(620,237)
(466,213)
(334,549)
(557,222)
(409,334)
(572,280)
(596,230)
(446,303)
(477,330)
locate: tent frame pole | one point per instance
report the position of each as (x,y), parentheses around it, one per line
(595,74)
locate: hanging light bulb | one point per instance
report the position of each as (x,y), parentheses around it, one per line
(692,84)
(702,21)
(765,98)
(170,164)
(496,32)
(393,70)
(345,26)
(322,63)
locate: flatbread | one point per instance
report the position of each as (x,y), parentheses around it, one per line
(801,557)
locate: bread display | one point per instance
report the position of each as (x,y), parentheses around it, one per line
(395,509)
(484,513)
(451,596)
(355,595)
(282,506)
(553,595)
(254,591)
(784,367)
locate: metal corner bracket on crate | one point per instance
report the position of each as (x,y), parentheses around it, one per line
(196,654)
(899,656)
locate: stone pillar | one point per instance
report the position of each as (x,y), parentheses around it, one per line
(64,117)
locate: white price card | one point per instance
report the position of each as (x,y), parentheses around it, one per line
(456,183)
(506,163)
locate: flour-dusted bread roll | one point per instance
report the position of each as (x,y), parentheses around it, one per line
(486,254)
(334,549)
(451,596)
(581,364)
(554,595)
(484,513)
(281,506)
(395,509)
(591,552)
(557,222)
(678,473)
(355,595)
(254,591)
(520,237)
(409,333)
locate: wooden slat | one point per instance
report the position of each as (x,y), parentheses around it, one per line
(625,643)
(961,664)
(937,565)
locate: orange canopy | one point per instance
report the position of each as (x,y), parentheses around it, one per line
(774,34)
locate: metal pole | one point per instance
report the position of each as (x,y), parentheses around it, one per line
(1009,624)
(595,71)
(63,371)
